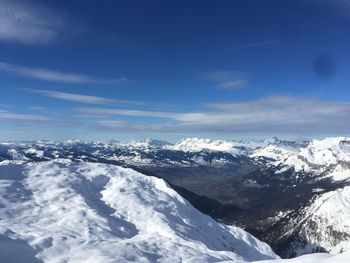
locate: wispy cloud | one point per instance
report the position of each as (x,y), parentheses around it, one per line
(276,115)
(256,44)
(123,112)
(22,21)
(53,75)
(5,115)
(271,115)
(233,84)
(81,98)
(228,79)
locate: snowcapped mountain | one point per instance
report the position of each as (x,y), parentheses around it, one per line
(144,144)
(198,145)
(323,225)
(228,146)
(329,157)
(89,212)
(144,153)
(187,152)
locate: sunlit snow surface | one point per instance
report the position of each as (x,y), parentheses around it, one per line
(314,258)
(84,212)
(329,157)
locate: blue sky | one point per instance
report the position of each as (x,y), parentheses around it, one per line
(170,69)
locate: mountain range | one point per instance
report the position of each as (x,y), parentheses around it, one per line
(292,195)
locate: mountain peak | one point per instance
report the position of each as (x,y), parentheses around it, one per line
(200,144)
(146,143)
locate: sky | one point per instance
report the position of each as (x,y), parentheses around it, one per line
(133,69)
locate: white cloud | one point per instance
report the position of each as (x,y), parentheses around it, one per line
(233,84)
(276,115)
(5,115)
(228,79)
(81,98)
(127,112)
(272,115)
(54,76)
(23,22)
(113,124)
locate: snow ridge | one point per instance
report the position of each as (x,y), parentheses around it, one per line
(90,212)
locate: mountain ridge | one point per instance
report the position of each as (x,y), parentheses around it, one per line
(265,188)
(74,212)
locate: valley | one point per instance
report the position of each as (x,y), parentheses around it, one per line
(230,181)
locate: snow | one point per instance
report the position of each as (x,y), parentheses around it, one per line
(34,152)
(85,212)
(331,212)
(61,211)
(197,145)
(327,151)
(312,258)
(15,154)
(144,144)
(329,157)
(276,152)
(324,223)
(340,172)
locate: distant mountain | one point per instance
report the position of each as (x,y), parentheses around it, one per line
(187,152)
(144,144)
(319,158)
(322,158)
(198,145)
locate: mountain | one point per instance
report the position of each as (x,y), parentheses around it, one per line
(198,145)
(262,186)
(88,212)
(321,226)
(329,157)
(188,152)
(144,144)
(147,153)
(61,211)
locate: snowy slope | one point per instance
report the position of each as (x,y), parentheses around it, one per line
(84,212)
(144,144)
(229,146)
(324,224)
(329,157)
(312,258)
(197,145)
